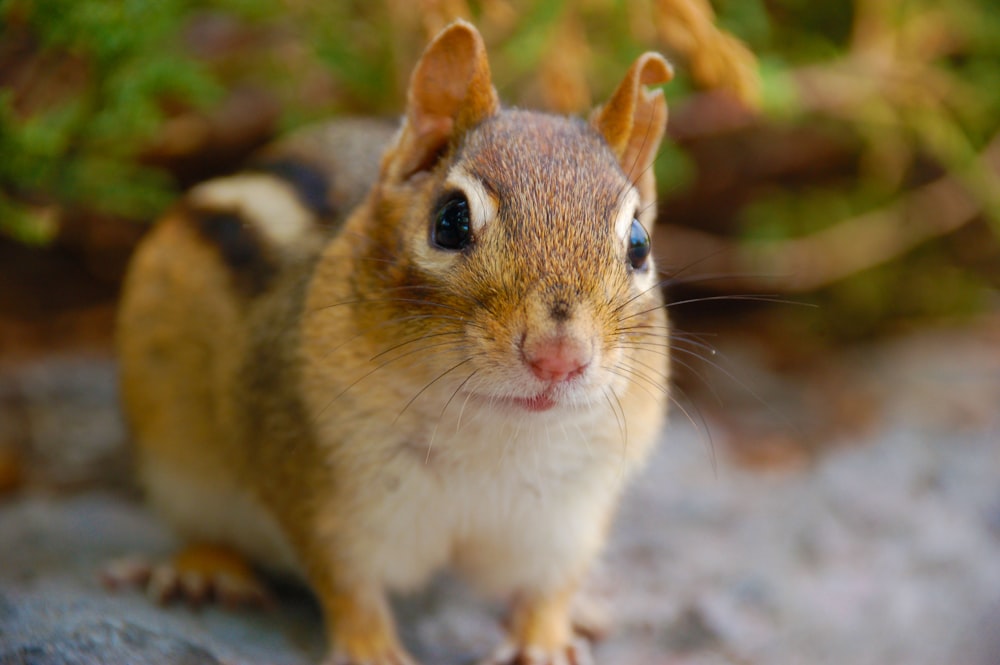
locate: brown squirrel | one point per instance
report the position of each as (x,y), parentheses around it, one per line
(362,370)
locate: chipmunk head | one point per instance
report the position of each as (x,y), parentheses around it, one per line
(520,238)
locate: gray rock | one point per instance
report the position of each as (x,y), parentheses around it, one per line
(40,632)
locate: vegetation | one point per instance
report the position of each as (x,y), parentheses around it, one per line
(74,143)
(905,95)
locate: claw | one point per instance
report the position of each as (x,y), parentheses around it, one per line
(164,584)
(197,575)
(126,572)
(577,652)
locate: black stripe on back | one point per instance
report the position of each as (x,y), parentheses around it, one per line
(239,245)
(310,183)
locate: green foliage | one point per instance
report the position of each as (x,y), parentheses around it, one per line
(350,38)
(913,86)
(527,46)
(82,151)
(917,85)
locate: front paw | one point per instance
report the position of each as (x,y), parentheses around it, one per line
(577,652)
(198,574)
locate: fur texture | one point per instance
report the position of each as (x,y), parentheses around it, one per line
(332,392)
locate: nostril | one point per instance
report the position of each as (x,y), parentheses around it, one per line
(557,359)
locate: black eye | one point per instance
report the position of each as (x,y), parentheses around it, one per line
(638,246)
(452,228)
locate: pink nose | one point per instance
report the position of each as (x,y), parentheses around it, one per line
(556,359)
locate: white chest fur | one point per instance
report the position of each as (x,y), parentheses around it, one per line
(513,500)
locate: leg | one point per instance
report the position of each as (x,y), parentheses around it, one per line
(361,630)
(359,625)
(541,632)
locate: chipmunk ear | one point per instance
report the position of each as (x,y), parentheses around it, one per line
(450,92)
(634,119)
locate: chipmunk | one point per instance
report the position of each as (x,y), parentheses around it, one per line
(361,370)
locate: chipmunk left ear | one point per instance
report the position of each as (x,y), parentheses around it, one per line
(450,92)
(634,119)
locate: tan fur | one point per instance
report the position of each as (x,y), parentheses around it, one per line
(359,415)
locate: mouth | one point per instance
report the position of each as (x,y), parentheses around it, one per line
(535,404)
(542,402)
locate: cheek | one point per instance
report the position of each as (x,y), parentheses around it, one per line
(495,333)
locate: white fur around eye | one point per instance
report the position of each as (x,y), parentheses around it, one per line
(482,205)
(482,210)
(626,213)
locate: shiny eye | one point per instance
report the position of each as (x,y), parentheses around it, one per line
(452,227)
(638,246)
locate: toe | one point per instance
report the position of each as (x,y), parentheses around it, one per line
(194,587)
(164,584)
(126,572)
(237,591)
(575,653)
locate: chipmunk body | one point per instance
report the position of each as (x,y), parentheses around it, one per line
(459,367)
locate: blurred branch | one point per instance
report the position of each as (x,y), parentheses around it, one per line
(717,59)
(834,253)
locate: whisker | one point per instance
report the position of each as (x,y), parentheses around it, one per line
(432,288)
(433,437)
(670,280)
(749,297)
(391,301)
(428,385)
(633,372)
(461,412)
(624,428)
(700,424)
(631,375)
(688,266)
(657,372)
(654,347)
(642,293)
(669,339)
(619,414)
(453,395)
(392,322)
(376,369)
(688,366)
(450,333)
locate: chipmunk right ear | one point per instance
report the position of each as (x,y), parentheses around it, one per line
(450,92)
(634,119)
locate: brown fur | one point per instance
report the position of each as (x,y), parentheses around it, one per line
(296,388)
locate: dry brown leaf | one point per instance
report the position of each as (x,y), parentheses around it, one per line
(716,58)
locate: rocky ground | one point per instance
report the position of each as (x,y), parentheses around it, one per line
(850,519)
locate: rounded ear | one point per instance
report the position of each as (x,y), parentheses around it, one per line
(634,119)
(450,92)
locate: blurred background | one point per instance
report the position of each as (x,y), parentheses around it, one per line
(840,157)
(829,196)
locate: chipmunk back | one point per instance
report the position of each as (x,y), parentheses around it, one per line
(462,369)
